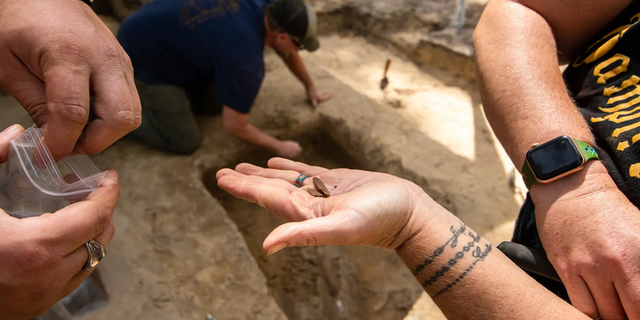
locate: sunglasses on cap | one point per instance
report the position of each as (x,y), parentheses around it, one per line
(296,42)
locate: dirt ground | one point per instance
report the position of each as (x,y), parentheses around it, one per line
(426,126)
(463,167)
(302,279)
(184,248)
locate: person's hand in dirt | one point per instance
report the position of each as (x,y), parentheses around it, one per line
(316,97)
(289,149)
(459,269)
(296,65)
(589,230)
(237,124)
(54,54)
(42,258)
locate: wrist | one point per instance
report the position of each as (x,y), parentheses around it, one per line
(426,217)
(429,242)
(526,145)
(593,178)
(277,146)
(555,159)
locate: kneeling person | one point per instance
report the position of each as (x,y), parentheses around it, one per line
(207,56)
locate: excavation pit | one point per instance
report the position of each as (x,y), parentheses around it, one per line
(371,283)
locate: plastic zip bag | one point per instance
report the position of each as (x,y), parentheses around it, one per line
(32,183)
(56,312)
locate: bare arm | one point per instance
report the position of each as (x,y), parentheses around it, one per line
(523,93)
(526,102)
(238,125)
(461,271)
(297,67)
(483,283)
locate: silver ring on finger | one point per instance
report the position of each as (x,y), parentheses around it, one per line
(96,253)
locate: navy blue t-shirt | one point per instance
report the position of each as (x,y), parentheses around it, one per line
(198,42)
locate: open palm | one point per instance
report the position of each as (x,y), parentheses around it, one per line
(364,207)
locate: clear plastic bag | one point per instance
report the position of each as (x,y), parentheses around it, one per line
(56,312)
(88,297)
(32,183)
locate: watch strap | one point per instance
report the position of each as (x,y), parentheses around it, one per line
(586,149)
(527,175)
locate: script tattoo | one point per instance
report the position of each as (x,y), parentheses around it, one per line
(459,255)
(473,245)
(479,255)
(453,240)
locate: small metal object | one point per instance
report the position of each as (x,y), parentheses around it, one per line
(384,82)
(320,186)
(210,317)
(299,180)
(316,193)
(96,253)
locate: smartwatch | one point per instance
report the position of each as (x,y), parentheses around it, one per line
(556,158)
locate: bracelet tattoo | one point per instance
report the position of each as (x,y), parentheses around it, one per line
(453,240)
(459,255)
(478,253)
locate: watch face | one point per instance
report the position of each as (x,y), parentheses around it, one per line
(554,158)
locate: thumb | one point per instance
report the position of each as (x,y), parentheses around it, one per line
(6,136)
(313,232)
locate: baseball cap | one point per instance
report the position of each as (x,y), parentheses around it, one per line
(297,18)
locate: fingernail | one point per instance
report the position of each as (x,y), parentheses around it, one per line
(10,129)
(276,248)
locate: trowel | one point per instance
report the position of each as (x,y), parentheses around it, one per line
(384,82)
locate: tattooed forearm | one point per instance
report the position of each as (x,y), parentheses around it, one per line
(439,256)
(459,255)
(453,240)
(479,255)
